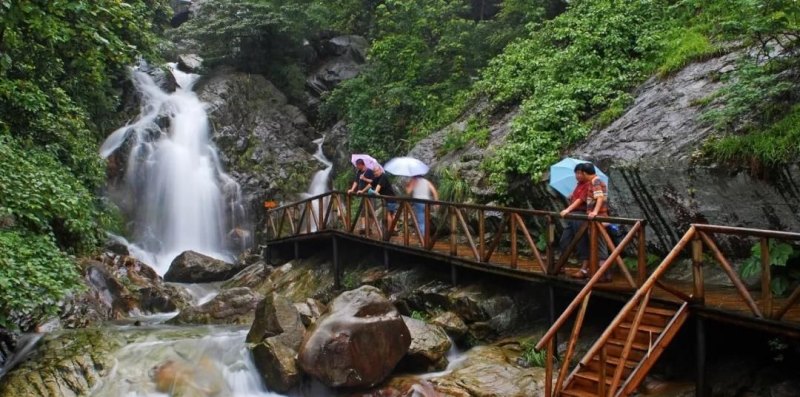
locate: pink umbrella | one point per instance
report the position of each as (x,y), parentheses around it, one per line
(369,161)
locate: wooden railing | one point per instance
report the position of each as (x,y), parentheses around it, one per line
(700,238)
(521,239)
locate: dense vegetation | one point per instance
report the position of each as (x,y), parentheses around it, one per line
(61,65)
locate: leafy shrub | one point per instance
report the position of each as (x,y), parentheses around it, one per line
(682,46)
(61,71)
(779,255)
(452,187)
(34,276)
(532,357)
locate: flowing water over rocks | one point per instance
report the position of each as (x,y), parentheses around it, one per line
(168,178)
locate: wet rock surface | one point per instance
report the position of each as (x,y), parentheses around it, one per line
(230,306)
(117,286)
(429,347)
(65,364)
(342,58)
(652,155)
(484,371)
(465,162)
(193,267)
(275,338)
(357,343)
(265,143)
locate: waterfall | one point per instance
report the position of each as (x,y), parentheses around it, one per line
(319,184)
(174,189)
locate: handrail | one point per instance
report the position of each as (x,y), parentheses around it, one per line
(524,211)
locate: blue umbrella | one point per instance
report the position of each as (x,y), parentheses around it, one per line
(562,176)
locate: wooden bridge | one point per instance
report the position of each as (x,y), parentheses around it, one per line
(520,243)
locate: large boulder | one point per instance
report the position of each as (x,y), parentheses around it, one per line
(344,57)
(274,340)
(230,306)
(492,371)
(429,347)
(67,364)
(194,267)
(116,286)
(190,63)
(358,342)
(451,323)
(264,142)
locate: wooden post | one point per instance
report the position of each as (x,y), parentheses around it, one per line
(601,377)
(406,237)
(766,279)
(514,253)
(296,250)
(267,255)
(697,270)
(551,237)
(700,381)
(548,370)
(336,273)
(642,265)
(427,238)
(481,234)
(551,312)
(386,258)
(349,211)
(453,274)
(593,249)
(453,236)
(321,215)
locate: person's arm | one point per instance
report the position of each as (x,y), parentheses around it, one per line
(378,186)
(410,187)
(575,204)
(597,206)
(599,196)
(368,176)
(353,187)
(434,192)
(366,188)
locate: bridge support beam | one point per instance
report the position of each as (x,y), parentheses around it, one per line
(700,381)
(336,268)
(266,253)
(296,250)
(386,258)
(454,274)
(551,310)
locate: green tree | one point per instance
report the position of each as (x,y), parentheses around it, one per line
(61,68)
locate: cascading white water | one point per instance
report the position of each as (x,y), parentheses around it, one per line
(320,182)
(176,185)
(202,361)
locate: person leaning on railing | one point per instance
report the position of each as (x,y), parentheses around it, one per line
(381,185)
(590,197)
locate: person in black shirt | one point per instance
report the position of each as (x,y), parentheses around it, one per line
(383,186)
(363,178)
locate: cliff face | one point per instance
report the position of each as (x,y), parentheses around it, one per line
(652,155)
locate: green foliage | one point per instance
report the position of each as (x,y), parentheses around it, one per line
(61,68)
(421,316)
(452,187)
(423,58)
(682,46)
(476,131)
(779,255)
(774,145)
(350,280)
(532,357)
(632,263)
(34,275)
(568,69)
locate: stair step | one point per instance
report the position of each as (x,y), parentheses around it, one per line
(643,328)
(614,361)
(594,376)
(660,311)
(636,345)
(578,393)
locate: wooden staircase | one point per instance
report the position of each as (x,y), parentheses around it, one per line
(623,356)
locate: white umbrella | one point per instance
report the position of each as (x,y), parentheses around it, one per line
(406,166)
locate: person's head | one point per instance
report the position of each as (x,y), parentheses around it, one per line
(584,171)
(360,165)
(377,170)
